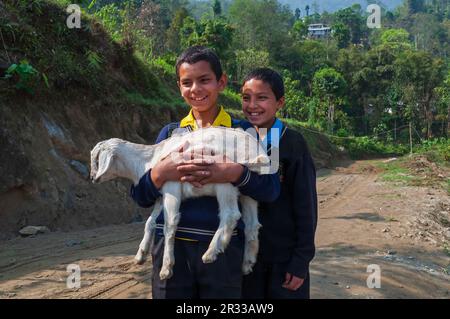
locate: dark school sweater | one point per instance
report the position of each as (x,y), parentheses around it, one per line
(289,223)
(200,216)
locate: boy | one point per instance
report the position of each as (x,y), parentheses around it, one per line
(200,79)
(289,223)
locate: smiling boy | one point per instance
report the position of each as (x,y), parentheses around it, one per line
(200,79)
(289,223)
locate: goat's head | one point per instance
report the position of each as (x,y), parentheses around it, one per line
(103,161)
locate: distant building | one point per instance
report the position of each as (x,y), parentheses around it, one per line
(319,31)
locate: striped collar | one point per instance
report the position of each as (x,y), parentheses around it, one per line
(222,119)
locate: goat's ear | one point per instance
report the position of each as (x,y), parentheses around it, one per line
(105,161)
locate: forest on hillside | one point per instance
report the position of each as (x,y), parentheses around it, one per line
(383,85)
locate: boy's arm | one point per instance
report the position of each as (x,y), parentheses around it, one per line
(262,188)
(305,215)
(145,193)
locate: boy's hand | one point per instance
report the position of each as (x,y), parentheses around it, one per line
(166,170)
(292,282)
(199,171)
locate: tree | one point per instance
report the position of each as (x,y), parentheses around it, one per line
(190,33)
(307,10)
(217,8)
(342,35)
(299,30)
(396,40)
(415,6)
(352,18)
(173,33)
(330,85)
(420,74)
(270,33)
(294,106)
(249,59)
(298,14)
(217,34)
(443,102)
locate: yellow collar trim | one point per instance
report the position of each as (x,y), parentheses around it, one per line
(222,119)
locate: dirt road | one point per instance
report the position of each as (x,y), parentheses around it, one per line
(362,222)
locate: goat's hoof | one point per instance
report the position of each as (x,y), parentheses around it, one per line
(247,268)
(140,258)
(165,274)
(209,258)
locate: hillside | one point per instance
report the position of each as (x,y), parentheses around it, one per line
(85,88)
(46,136)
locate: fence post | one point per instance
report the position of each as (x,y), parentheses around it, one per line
(410,139)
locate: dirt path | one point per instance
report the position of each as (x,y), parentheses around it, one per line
(362,222)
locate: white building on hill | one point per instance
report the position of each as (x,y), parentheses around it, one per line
(318,31)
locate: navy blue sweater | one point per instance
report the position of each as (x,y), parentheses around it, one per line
(289,223)
(200,216)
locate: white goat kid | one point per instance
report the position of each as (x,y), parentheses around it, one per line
(118,158)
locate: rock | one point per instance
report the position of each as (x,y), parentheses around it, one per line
(447,234)
(385,230)
(391,252)
(347,287)
(33,230)
(137,219)
(80,168)
(73,242)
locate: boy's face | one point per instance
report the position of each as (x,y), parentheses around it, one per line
(259,103)
(199,86)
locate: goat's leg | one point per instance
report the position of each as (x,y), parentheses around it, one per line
(227,197)
(252,225)
(171,204)
(149,234)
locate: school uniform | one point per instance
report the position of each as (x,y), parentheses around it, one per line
(198,222)
(288,223)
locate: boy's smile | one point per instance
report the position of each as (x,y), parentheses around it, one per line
(200,89)
(259,103)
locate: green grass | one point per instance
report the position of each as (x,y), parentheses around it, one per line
(447,249)
(400,173)
(70,60)
(395,172)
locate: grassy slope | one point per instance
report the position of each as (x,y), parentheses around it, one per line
(73,60)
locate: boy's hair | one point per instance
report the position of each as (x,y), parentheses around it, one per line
(269,76)
(200,53)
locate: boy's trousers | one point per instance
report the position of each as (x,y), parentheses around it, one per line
(192,278)
(266,280)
